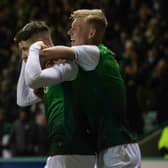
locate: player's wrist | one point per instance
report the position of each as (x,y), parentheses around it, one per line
(36,46)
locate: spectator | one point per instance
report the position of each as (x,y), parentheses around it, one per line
(41,146)
(5,127)
(21,136)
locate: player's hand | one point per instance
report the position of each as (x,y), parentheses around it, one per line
(59,61)
(52,62)
(39,93)
(41,44)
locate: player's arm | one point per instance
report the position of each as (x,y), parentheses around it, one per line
(55,53)
(86,56)
(25,95)
(37,77)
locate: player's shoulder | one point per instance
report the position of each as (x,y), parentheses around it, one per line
(86,48)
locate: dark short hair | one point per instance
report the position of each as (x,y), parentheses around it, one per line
(31,29)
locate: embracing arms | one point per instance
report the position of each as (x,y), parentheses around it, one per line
(85,56)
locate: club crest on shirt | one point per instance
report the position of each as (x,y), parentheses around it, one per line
(45,89)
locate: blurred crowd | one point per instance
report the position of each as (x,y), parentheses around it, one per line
(137,33)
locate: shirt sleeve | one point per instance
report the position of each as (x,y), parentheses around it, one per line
(37,77)
(25,95)
(87,56)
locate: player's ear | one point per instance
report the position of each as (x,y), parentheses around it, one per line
(92,33)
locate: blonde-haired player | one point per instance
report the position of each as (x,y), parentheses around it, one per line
(98,96)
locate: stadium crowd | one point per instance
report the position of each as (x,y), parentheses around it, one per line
(137,33)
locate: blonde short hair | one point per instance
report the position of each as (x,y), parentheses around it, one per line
(92,16)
